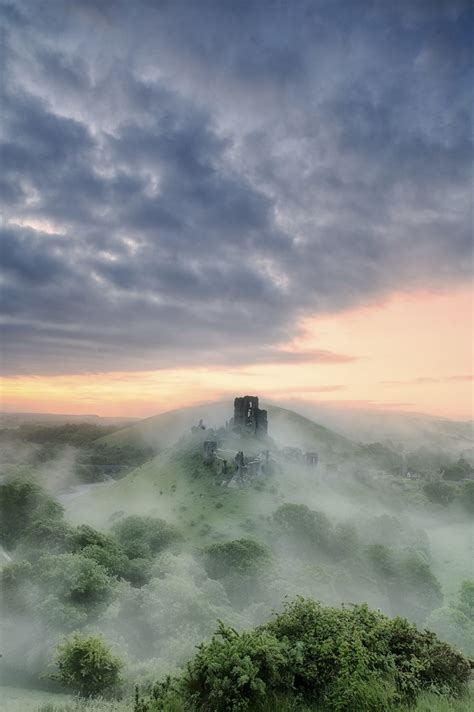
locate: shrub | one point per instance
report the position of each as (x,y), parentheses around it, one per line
(340,659)
(452,625)
(15,585)
(143,537)
(237,557)
(74,579)
(425,662)
(236,672)
(87,666)
(21,503)
(308,527)
(458,471)
(467,496)
(466,599)
(52,535)
(439,492)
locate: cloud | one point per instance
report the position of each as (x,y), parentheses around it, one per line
(422,380)
(212,172)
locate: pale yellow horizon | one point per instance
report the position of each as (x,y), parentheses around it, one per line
(413,352)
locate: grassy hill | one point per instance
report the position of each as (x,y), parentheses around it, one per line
(178,486)
(285,426)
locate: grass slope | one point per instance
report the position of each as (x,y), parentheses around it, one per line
(176,486)
(285,426)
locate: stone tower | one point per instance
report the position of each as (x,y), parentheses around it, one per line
(248,418)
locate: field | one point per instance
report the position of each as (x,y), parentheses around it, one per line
(19,700)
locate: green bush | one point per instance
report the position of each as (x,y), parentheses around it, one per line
(458,470)
(23,502)
(467,496)
(308,527)
(52,535)
(74,579)
(87,666)
(101,548)
(439,492)
(466,599)
(144,537)
(237,557)
(237,672)
(452,625)
(340,659)
(425,662)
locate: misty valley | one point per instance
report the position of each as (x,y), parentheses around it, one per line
(232,557)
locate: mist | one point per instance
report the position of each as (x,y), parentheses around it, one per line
(153,555)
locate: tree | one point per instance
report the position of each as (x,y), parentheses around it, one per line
(76,580)
(452,625)
(439,492)
(23,502)
(241,557)
(466,599)
(101,548)
(467,496)
(143,537)
(308,527)
(46,535)
(87,665)
(458,471)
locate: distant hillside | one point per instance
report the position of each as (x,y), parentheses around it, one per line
(290,428)
(285,426)
(12,420)
(161,431)
(411,430)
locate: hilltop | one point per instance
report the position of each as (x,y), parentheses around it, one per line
(287,427)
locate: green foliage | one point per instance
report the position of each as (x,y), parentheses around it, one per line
(467,496)
(411,586)
(23,502)
(144,537)
(76,580)
(345,541)
(236,672)
(238,557)
(466,599)
(87,665)
(439,492)
(14,585)
(454,626)
(425,662)
(424,461)
(76,434)
(138,572)
(98,461)
(308,527)
(340,659)
(102,549)
(383,457)
(383,561)
(458,470)
(52,535)
(420,590)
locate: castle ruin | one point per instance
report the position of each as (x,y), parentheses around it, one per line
(248,418)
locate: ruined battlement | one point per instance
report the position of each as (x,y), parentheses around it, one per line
(248,418)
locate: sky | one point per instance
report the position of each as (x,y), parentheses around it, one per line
(201,198)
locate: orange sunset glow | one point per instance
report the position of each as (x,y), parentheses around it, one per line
(412,352)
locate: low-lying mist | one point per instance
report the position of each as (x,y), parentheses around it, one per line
(130,533)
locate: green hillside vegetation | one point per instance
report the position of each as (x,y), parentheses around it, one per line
(160,431)
(149,562)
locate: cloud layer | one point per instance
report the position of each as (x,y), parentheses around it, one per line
(181,182)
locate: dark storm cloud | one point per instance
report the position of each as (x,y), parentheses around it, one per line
(182,181)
